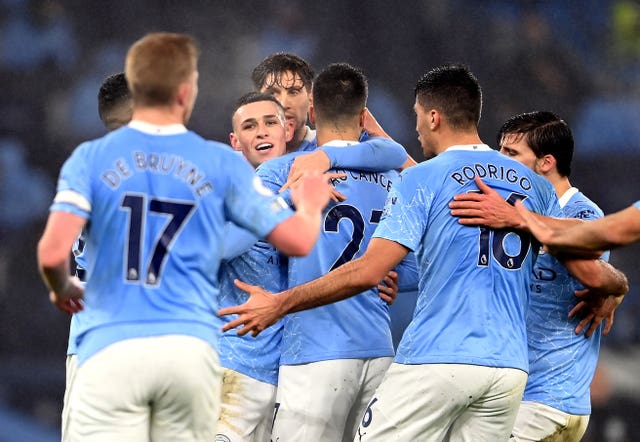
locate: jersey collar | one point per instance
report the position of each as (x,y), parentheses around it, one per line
(340,143)
(153,129)
(471,147)
(564,199)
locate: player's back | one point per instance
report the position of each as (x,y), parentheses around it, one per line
(474,281)
(358,327)
(157,204)
(561,362)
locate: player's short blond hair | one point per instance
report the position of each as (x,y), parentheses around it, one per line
(157,64)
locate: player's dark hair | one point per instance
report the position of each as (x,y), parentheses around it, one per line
(454,91)
(545,133)
(275,65)
(113,92)
(339,91)
(254,97)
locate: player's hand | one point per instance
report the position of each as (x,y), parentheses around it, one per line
(333,177)
(595,308)
(316,161)
(312,194)
(259,312)
(372,126)
(388,287)
(70,299)
(538,228)
(486,208)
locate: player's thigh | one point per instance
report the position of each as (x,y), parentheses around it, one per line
(186,396)
(537,421)
(373,371)
(492,408)
(314,400)
(421,402)
(107,399)
(118,393)
(246,412)
(413,402)
(70,375)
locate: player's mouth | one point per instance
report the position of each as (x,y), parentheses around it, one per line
(264,146)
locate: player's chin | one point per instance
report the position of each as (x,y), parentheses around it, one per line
(267,155)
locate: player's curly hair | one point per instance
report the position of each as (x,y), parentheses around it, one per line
(272,68)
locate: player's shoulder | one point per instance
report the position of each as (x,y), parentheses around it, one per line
(578,205)
(278,164)
(92,147)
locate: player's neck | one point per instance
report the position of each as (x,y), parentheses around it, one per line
(298,137)
(325,134)
(458,139)
(160,116)
(560,183)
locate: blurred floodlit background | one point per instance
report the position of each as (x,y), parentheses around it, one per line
(578,58)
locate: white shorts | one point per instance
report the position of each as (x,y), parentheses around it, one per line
(324,401)
(435,402)
(71,370)
(246,412)
(537,421)
(161,388)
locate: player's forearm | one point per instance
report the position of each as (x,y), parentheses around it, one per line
(376,154)
(347,280)
(599,275)
(558,224)
(296,235)
(56,276)
(53,263)
(620,228)
(612,280)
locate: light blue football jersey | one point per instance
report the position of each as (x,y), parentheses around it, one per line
(474,281)
(156,201)
(354,328)
(259,358)
(80,259)
(561,363)
(637,204)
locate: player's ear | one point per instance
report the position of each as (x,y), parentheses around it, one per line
(547,163)
(234,141)
(435,119)
(312,115)
(183,93)
(362,118)
(289,128)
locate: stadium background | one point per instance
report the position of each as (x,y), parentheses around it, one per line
(578,58)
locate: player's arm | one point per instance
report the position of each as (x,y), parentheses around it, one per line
(236,241)
(264,309)
(611,231)
(61,231)
(615,230)
(605,288)
(374,129)
(489,209)
(376,154)
(296,235)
